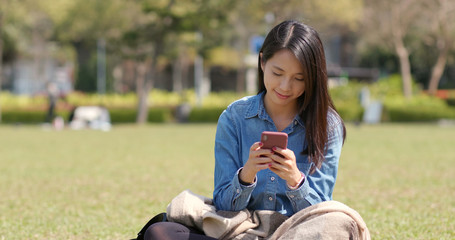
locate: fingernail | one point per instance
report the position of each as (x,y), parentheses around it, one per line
(270,165)
(260,144)
(274,148)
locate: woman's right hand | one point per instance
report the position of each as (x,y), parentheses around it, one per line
(259,159)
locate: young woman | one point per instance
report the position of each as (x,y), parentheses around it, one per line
(293,98)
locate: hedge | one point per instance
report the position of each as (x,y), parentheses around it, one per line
(350,112)
(23,116)
(399,112)
(392,112)
(205,114)
(421,108)
(126,115)
(417,114)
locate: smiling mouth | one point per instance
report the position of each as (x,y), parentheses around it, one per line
(281,95)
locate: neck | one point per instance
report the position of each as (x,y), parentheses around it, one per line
(282,115)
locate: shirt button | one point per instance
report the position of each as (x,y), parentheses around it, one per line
(295,122)
(272,178)
(292,196)
(238,190)
(270,198)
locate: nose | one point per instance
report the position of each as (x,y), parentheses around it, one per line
(285,84)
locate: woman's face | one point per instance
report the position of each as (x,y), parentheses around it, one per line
(283,78)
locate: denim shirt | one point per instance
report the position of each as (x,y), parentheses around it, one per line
(241,125)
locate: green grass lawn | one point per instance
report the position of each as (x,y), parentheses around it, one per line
(106,185)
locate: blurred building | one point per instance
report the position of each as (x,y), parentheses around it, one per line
(28,74)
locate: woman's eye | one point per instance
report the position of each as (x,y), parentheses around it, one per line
(276,74)
(299,79)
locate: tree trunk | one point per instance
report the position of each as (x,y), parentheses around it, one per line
(241,82)
(185,65)
(438,70)
(143,89)
(86,71)
(405,67)
(177,78)
(241,71)
(1,58)
(142,108)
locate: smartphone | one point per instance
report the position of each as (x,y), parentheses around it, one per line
(274,139)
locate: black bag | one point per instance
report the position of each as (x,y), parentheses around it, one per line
(162,217)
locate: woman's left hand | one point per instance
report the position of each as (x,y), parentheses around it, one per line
(285,165)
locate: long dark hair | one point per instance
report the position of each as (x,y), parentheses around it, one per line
(315,103)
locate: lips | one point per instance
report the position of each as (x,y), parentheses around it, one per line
(281,96)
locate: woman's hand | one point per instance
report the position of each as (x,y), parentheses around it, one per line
(285,166)
(259,159)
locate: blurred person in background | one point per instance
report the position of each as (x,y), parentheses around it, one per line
(52,95)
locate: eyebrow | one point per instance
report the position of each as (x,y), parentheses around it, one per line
(275,66)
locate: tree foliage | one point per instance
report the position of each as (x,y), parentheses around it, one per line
(439,19)
(166,27)
(392,24)
(419,32)
(154,32)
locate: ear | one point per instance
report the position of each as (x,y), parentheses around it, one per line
(262,62)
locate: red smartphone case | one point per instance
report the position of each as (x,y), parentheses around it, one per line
(274,139)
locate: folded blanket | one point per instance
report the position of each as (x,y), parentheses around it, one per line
(326,220)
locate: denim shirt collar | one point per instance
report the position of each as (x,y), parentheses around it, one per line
(257,108)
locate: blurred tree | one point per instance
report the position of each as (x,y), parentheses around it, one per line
(329,14)
(338,20)
(163,32)
(82,23)
(247,19)
(29,24)
(323,15)
(26,26)
(1,59)
(391,23)
(5,48)
(251,18)
(439,19)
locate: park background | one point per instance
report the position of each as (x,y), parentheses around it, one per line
(166,69)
